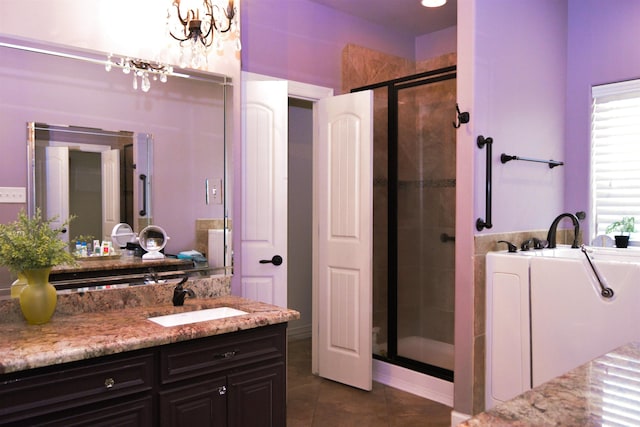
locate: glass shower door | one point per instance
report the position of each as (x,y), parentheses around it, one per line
(426,153)
(414,221)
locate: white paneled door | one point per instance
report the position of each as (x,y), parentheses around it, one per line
(57,185)
(110,191)
(343,219)
(264,192)
(345,228)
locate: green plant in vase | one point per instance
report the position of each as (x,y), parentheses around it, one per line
(30,246)
(626,225)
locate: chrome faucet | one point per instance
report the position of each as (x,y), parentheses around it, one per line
(180,293)
(551,236)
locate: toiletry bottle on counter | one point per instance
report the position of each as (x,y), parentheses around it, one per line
(105,248)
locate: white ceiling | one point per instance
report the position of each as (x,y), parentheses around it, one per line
(408,14)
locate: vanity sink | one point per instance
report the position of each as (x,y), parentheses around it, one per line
(196,316)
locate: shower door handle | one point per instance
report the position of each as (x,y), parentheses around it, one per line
(276,260)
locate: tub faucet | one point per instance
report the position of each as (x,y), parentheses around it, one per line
(551,236)
(179,293)
(534,243)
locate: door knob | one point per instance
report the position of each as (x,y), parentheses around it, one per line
(276,260)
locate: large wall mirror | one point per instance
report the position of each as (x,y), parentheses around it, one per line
(176,133)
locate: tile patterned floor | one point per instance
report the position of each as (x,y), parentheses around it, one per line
(316,402)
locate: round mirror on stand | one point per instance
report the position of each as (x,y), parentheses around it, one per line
(153,239)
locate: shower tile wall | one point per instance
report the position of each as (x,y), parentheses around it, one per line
(360,67)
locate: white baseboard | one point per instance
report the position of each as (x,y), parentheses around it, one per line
(458,417)
(413,382)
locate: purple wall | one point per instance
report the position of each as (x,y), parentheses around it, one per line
(302,41)
(437,43)
(602,48)
(518,99)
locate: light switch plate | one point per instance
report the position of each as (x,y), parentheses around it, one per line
(13,195)
(216,190)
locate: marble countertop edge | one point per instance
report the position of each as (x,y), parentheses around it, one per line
(72,337)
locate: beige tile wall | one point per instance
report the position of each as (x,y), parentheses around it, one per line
(203,225)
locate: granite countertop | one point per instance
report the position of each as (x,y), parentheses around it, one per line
(93,324)
(605,391)
(117,263)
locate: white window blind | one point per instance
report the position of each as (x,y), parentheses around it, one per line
(615,154)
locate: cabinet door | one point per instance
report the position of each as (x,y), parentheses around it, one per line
(257,397)
(193,405)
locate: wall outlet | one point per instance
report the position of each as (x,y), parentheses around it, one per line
(13,195)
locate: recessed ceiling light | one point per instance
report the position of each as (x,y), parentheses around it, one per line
(433,3)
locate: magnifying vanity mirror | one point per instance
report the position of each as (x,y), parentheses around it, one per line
(106,153)
(153,239)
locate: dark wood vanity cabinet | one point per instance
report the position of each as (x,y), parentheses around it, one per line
(234,379)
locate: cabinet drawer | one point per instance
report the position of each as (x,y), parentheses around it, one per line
(137,412)
(207,355)
(37,392)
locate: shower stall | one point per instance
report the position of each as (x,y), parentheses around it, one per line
(414,221)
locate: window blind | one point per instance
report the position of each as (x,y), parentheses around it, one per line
(615,154)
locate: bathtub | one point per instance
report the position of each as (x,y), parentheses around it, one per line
(546,313)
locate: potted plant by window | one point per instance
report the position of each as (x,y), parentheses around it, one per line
(30,246)
(625,225)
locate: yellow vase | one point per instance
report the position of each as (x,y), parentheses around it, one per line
(18,285)
(38,298)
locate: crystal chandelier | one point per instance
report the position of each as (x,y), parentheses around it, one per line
(199,25)
(143,72)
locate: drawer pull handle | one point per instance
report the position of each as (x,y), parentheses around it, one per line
(227,355)
(222,390)
(109,383)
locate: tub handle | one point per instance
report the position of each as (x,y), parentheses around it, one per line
(605,291)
